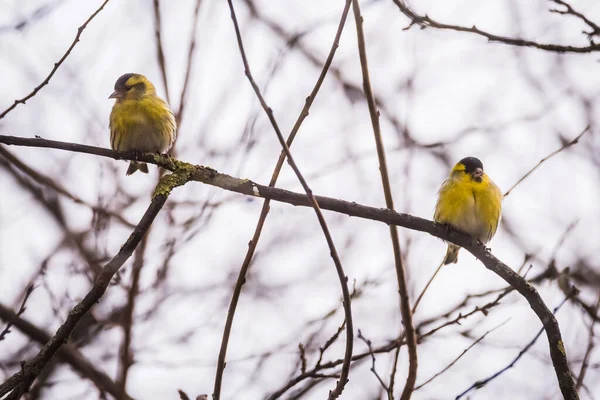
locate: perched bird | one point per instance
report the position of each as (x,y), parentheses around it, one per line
(469,202)
(140,120)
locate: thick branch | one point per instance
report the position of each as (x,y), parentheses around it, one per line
(247,187)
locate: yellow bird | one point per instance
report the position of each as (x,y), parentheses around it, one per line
(469,202)
(140,120)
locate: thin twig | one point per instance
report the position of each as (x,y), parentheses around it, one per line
(555,152)
(67,353)
(315,205)
(22,308)
(56,210)
(397,343)
(588,351)
(424,21)
(159,47)
(49,182)
(460,355)
(20,382)
(56,64)
(405,309)
(190,59)
(483,309)
(266,205)
(394,369)
(571,11)
(481,383)
(291,40)
(426,287)
(126,358)
(388,390)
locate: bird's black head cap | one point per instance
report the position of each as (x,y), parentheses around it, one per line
(120,83)
(471,164)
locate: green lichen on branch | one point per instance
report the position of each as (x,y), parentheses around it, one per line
(169,182)
(176,166)
(172,164)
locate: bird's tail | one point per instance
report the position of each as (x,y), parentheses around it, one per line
(137,166)
(451,254)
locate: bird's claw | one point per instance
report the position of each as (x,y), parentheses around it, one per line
(447,227)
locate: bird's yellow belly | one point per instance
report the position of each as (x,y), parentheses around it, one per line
(472,212)
(467,220)
(143,139)
(137,133)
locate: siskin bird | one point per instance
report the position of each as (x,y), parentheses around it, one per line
(469,202)
(140,120)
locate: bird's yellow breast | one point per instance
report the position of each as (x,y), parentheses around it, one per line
(145,124)
(470,206)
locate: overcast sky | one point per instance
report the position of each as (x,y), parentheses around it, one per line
(453,94)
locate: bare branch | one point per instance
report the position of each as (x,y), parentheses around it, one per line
(266,205)
(425,22)
(20,382)
(333,252)
(159,47)
(20,312)
(588,351)
(67,353)
(52,184)
(460,355)
(426,287)
(126,358)
(250,188)
(56,64)
(388,390)
(481,383)
(570,11)
(405,308)
(555,152)
(186,80)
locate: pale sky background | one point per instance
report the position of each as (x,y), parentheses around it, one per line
(508,106)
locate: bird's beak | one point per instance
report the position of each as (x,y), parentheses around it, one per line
(114,95)
(478,173)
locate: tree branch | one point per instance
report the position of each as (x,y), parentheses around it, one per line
(555,152)
(588,351)
(22,308)
(405,308)
(20,382)
(56,64)
(126,357)
(334,394)
(426,22)
(465,351)
(481,383)
(571,11)
(159,47)
(67,353)
(241,279)
(247,187)
(188,70)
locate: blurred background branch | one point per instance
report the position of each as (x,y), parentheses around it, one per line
(438,93)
